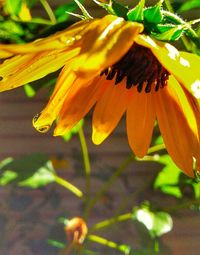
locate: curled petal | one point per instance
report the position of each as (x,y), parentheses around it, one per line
(104,46)
(64,84)
(77,104)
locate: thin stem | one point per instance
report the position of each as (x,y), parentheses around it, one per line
(169,6)
(111,221)
(68,186)
(107,184)
(34,21)
(49,11)
(86,159)
(116,174)
(97,239)
(156,148)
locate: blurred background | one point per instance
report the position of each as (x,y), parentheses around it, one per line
(32,212)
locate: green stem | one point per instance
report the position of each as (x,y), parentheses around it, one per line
(97,239)
(116,174)
(156,148)
(169,6)
(180,21)
(107,184)
(68,186)
(86,159)
(111,221)
(49,11)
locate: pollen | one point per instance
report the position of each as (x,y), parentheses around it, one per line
(140,68)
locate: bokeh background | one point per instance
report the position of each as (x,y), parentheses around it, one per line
(29,217)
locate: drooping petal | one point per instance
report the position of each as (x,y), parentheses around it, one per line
(107,48)
(44,120)
(184,66)
(108,111)
(77,104)
(22,69)
(140,122)
(178,125)
(65,39)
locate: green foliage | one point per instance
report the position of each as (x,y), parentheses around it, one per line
(188,5)
(167,179)
(13,7)
(156,222)
(32,171)
(136,14)
(119,10)
(61,12)
(153,14)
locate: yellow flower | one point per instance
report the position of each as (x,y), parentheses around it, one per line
(109,63)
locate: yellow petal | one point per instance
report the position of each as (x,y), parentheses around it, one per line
(174,114)
(44,120)
(108,111)
(68,38)
(20,70)
(184,66)
(191,76)
(106,46)
(140,122)
(78,102)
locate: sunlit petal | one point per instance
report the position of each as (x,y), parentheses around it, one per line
(172,110)
(50,113)
(78,102)
(107,48)
(140,122)
(183,65)
(20,70)
(67,38)
(108,112)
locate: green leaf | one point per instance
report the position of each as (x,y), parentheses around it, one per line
(33,171)
(167,180)
(60,12)
(136,14)
(153,14)
(157,223)
(188,5)
(42,177)
(171,34)
(12,27)
(29,90)
(7,177)
(159,140)
(13,7)
(119,9)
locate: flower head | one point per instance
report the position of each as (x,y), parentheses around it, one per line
(76,230)
(112,65)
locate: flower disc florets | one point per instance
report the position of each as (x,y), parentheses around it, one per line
(140,68)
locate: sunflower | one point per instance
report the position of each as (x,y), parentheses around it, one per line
(112,65)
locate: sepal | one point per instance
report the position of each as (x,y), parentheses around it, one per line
(153,14)
(137,13)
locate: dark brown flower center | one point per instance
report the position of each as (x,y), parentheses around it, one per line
(140,68)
